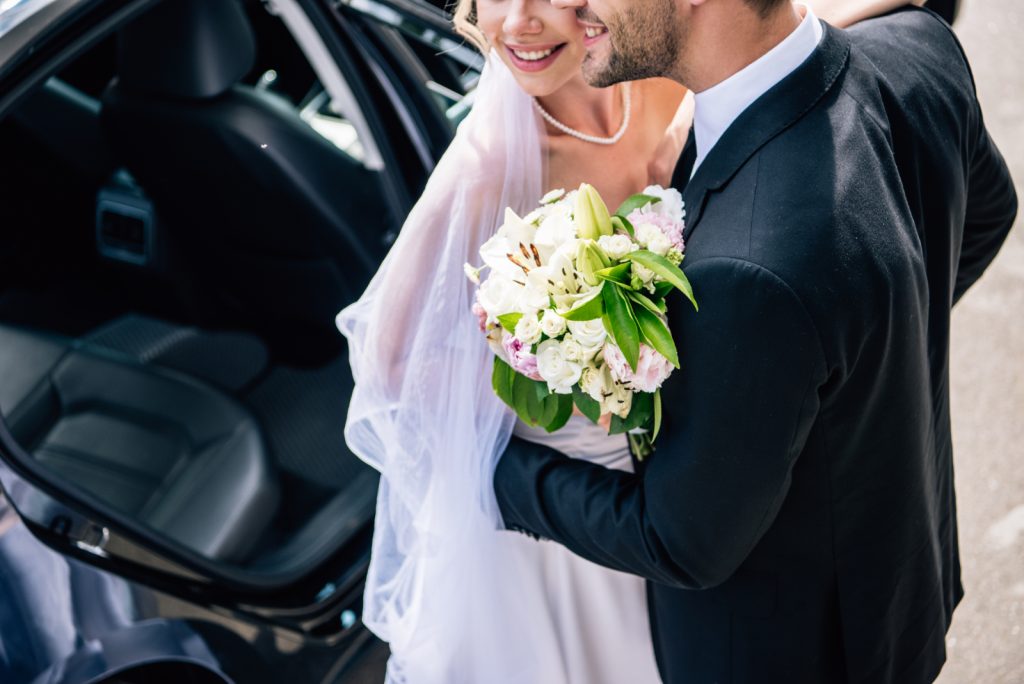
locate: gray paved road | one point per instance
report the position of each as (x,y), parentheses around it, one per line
(986,642)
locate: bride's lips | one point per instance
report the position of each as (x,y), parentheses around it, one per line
(533,65)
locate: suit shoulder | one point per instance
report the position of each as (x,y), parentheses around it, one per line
(913,42)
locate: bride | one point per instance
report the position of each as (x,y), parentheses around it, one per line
(457,600)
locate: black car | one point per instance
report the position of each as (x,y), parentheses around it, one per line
(190,191)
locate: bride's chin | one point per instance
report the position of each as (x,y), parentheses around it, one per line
(546,84)
(539,86)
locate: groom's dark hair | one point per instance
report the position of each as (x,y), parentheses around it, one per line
(765,7)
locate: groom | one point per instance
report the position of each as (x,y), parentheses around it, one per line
(797,521)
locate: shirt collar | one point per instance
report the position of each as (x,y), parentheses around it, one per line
(717,107)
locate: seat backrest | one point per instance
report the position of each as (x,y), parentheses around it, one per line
(284,221)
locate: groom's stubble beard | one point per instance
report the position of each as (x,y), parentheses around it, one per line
(645,41)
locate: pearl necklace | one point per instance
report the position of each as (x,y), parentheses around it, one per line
(626,110)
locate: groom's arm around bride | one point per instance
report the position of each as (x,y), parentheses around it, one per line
(797,519)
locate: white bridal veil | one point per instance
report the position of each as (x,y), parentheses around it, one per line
(442,587)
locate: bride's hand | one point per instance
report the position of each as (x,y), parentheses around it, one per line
(604,421)
(666,156)
(844,13)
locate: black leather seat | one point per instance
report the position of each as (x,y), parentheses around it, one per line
(168,450)
(282,222)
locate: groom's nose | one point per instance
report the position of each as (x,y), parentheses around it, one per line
(566,4)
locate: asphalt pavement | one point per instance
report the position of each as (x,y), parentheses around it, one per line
(986,641)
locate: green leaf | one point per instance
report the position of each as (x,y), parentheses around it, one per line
(587,311)
(617,426)
(657,414)
(623,326)
(657,335)
(639,414)
(508,321)
(664,268)
(635,202)
(619,274)
(542,389)
(535,400)
(563,412)
(622,225)
(501,380)
(662,288)
(527,401)
(550,408)
(587,406)
(644,301)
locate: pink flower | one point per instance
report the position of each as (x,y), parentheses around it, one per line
(673,230)
(520,357)
(481,316)
(651,370)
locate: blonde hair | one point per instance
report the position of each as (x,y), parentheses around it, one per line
(464,18)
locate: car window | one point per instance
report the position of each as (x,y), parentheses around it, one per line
(451,66)
(294,62)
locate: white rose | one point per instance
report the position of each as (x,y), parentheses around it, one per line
(671,204)
(616,246)
(589,334)
(560,373)
(552,324)
(528,329)
(572,350)
(646,232)
(499,295)
(659,244)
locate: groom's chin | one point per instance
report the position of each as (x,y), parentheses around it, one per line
(596,72)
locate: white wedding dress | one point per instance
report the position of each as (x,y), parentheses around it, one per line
(459,599)
(598,616)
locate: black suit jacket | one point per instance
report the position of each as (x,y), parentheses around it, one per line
(797,520)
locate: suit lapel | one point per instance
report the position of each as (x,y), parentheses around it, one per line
(784,104)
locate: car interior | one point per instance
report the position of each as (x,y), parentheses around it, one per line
(184,211)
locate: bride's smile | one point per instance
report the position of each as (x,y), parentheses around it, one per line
(534,58)
(542,45)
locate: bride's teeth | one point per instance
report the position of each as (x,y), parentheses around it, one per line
(533,56)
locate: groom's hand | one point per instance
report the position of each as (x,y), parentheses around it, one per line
(737,415)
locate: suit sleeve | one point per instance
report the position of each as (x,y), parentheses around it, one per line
(991,210)
(991,206)
(737,415)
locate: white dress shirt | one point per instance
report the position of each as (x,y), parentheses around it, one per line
(717,107)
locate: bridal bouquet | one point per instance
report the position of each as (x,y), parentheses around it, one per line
(574,307)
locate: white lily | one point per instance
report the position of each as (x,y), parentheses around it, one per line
(508,252)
